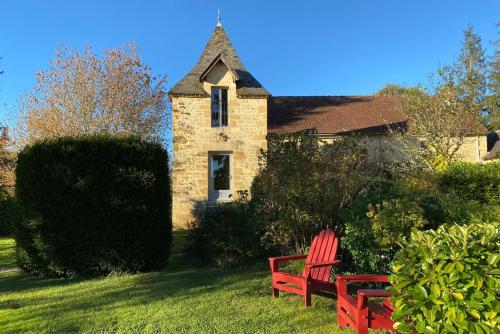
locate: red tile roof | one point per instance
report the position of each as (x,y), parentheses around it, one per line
(334,114)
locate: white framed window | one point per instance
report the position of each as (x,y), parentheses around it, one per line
(219,107)
(220,181)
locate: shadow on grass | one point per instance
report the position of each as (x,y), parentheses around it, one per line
(201,293)
(180,279)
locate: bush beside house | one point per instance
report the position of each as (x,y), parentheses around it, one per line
(479,182)
(93,205)
(226,235)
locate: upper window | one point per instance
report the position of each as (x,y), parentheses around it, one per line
(219,107)
(220,177)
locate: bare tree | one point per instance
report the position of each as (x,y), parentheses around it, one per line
(82,93)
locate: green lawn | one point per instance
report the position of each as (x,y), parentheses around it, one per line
(183,298)
(7,253)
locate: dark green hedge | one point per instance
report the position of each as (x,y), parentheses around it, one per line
(9,213)
(225,235)
(468,181)
(93,205)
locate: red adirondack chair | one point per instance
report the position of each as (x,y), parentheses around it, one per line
(316,275)
(361,313)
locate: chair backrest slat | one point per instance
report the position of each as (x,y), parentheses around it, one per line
(323,249)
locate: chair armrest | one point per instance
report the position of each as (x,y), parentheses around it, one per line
(287,258)
(274,261)
(374,293)
(363,278)
(323,264)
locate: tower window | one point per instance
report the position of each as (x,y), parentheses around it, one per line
(219,107)
(220,183)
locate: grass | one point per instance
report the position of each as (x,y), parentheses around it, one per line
(7,253)
(183,298)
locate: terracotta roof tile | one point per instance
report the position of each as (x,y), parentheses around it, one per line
(334,114)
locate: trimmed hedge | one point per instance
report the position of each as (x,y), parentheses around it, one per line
(446,281)
(469,181)
(93,205)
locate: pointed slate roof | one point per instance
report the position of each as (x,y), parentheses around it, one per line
(219,48)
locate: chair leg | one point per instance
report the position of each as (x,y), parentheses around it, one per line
(362,322)
(341,323)
(276,293)
(307,298)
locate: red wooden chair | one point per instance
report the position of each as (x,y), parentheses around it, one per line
(361,313)
(316,275)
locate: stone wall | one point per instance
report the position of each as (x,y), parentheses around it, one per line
(382,147)
(473,149)
(194,139)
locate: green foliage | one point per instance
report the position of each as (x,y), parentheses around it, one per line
(391,90)
(384,216)
(493,98)
(390,219)
(446,281)
(226,235)
(93,205)
(472,182)
(9,212)
(473,68)
(302,184)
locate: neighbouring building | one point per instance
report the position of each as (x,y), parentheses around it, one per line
(222,117)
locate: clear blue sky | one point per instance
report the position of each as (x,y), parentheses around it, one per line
(292,47)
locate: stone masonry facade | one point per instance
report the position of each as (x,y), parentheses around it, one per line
(195,139)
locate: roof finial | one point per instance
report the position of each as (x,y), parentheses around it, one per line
(219,23)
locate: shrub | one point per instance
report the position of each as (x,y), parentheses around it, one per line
(225,235)
(377,221)
(446,281)
(384,216)
(93,205)
(303,183)
(468,181)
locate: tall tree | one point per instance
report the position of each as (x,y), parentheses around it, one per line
(82,93)
(493,99)
(472,68)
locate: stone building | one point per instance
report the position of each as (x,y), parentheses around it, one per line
(222,117)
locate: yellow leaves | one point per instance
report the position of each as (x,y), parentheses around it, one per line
(83,93)
(458,296)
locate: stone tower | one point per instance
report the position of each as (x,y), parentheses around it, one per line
(219,126)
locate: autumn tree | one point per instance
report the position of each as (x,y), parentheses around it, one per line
(7,160)
(82,93)
(439,119)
